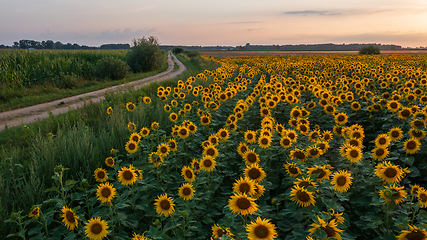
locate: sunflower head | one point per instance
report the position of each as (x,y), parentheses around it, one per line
(188,174)
(164,205)
(105,192)
(186,191)
(101,175)
(127,176)
(109,161)
(302,196)
(96,228)
(69,218)
(261,229)
(242,204)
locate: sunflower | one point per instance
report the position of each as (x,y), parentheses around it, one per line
(186,191)
(314,135)
(313,151)
(96,229)
(130,106)
(126,176)
(261,229)
(183,132)
(163,149)
(139,237)
(154,126)
(302,196)
(254,172)
(322,172)
(390,173)
(341,181)
(109,161)
(413,233)
(173,117)
(393,105)
(341,118)
(329,227)
(207,163)
(242,204)
(195,165)
(244,186)
(353,154)
(164,205)
(109,110)
(69,218)
(223,134)
(336,216)
(131,147)
(393,193)
(250,136)
(355,106)
(251,157)
(292,134)
(298,154)
(155,158)
(131,127)
(303,128)
(101,175)
(205,120)
(192,128)
(417,133)
(405,113)
(382,140)
(285,142)
(167,108)
(211,151)
(379,153)
(172,145)
(188,174)
(144,132)
(135,137)
(411,146)
(105,192)
(292,169)
(264,141)
(218,232)
(35,212)
(147,100)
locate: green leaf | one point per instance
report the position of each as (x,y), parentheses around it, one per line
(70,182)
(35,230)
(169,225)
(18,234)
(54,189)
(409,160)
(319,233)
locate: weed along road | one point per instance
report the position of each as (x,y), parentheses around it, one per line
(41,111)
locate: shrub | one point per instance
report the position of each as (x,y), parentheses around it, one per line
(145,55)
(111,68)
(177,50)
(369,50)
(191,53)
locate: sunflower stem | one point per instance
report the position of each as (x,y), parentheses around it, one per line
(387,217)
(44,224)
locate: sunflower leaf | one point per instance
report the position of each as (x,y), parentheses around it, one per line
(319,233)
(70,182)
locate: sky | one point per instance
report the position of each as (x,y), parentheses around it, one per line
(216,22)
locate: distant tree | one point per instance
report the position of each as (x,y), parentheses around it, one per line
(58,45)
(177,50)
(145,54)
(49,44)
(369,50)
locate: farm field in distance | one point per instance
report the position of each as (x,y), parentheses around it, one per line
(295,146)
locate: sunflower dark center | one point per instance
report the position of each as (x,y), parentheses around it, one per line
(254,173)
(220,232)
(128,175)
(314,152)
(251,157)
(188,174)
(411,145)
(261,231)
(96,228)
(303,128)
(417,134)
(405,113)
(264,141)
(244,188)
(186,191)
(172,145)
(299,155)
(354,153)
(322,173)
(132,146)
(356,134)
(293,170)
(207,163)
(379,152)
(423,198)
(183,132)
(205,120)
(163,149)
(243,149)
(382,141)
(223,134)
(106,192)
(135,138)
(395,134)
(354,142)
(341,180)
(196,165)
(329,108)
(390,172)
(295,114)
(165,204)
(341,118)
(243,203)
(415,235)
(70,216)
(329,230)
(303,196)
(286,141)
(101,174)
(210,152)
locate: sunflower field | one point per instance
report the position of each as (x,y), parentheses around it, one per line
(261,148)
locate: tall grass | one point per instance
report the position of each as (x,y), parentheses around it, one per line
(79,140)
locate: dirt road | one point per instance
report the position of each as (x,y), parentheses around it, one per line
(41,111)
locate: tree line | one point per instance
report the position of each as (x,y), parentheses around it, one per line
(49,44)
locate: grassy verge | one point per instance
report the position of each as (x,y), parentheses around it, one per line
(80,140)
(42,94)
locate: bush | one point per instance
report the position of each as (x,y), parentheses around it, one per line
(369,50)
(145,55)
(192,53)
(111,68)
(177,50)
